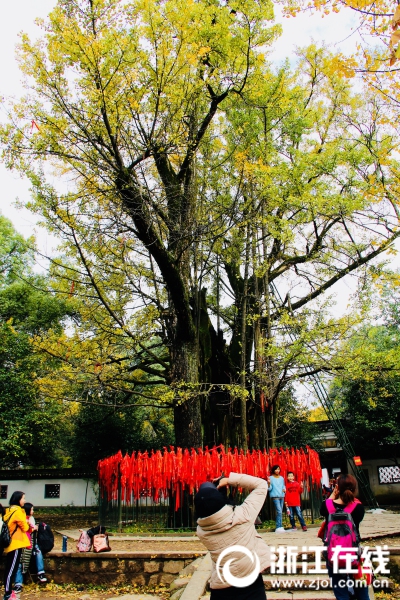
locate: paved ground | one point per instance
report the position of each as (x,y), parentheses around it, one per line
(373,526)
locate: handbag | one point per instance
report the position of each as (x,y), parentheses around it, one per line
(100,543)
(26,559)
(364,573)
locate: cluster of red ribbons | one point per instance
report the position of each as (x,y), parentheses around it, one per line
(159,473)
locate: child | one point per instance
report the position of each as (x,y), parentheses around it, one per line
(276,487)
(292,498)
(24,564)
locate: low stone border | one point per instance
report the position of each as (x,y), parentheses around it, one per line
(115,568)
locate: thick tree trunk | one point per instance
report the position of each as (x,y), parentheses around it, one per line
(187,416)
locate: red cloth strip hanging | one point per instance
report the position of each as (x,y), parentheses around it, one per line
(181,470)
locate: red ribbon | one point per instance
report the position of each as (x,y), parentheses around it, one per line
(155,475)
(34,124)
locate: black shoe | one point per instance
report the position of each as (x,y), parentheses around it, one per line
(42,578)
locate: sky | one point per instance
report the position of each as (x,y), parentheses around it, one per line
(17,16)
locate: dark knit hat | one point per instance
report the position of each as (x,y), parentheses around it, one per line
(208,500)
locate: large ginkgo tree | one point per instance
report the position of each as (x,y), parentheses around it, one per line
(187,182)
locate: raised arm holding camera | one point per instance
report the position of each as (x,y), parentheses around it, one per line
(221,526)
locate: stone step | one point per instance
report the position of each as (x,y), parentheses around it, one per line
(198,582)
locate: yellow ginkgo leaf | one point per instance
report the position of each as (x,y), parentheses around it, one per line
(395,37)
(396,17)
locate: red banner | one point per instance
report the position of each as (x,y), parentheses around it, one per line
(157,473)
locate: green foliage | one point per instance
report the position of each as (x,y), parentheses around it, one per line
(30,427)
(33,427)
(16,253)
(294,426)
(369,398)
(100,431)
(30,309)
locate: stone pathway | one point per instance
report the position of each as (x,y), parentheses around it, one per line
(373,526)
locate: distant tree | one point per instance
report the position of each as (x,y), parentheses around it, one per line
(100,431)
(16,253)
(33,427)
(295,428)
(367,394)
(32,308)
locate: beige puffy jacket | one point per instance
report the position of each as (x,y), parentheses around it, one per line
(234,525)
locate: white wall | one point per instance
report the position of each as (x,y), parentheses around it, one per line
(384,493)
(72,491)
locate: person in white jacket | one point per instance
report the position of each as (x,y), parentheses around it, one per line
(221,526)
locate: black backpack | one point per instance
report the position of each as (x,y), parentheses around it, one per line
(45,538)
(5,536)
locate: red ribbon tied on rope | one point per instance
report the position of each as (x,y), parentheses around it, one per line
(178,470)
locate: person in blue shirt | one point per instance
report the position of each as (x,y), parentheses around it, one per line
(277,490)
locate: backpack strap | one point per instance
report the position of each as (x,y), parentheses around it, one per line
(350,507)
(329,506)
(7,521)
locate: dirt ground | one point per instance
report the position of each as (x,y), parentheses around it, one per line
(54,592)
(138,545)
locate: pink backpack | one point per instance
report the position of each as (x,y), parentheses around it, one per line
(341,532)
(84,543)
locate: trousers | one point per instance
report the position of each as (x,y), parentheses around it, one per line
(255,591)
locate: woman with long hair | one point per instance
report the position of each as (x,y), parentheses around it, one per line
(344,495)
(27,552)
(15,517)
